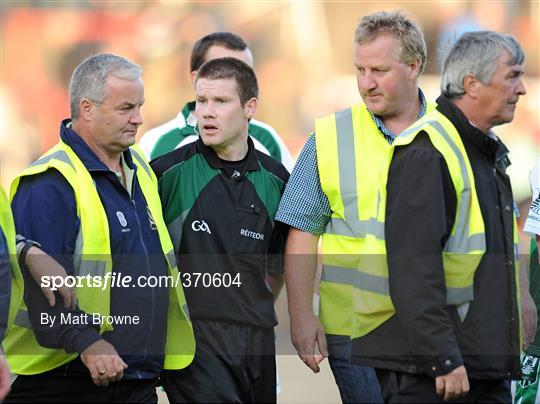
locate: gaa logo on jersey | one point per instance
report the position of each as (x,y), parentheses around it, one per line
(200,225)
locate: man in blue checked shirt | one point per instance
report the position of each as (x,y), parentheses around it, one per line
(324,193)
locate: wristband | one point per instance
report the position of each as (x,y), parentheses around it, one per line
(22,250)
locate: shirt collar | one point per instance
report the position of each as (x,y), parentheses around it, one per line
(490,146)
(387,133)
(83,151)
(252,162)
(186,112)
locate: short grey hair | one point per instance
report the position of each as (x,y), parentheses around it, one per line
(396,23)
(477,53)
(89,78)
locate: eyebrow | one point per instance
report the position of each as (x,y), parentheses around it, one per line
(131,104)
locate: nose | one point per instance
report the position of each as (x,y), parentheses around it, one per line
(366,83)
(207,110)
(136,117)
(520,89)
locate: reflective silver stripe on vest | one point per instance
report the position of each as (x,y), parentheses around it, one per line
(171,258)
(360,228)
(460,242)
(58,155)
(352,226)
(516,251)
(141,161)
(92,268)
(459,295)
(353,277)
(175,228)
(380,285)
(84,266)
(22,320)
(186,311)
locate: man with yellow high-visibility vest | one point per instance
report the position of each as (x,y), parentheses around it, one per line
(332,193)
(443,319)
(12,249)
(9,273)
(93,205)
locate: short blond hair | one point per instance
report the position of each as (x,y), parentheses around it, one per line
(396,23)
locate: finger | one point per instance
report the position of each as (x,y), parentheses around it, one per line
(119,369)
(104,376)
(117,364)
(321,342)
(74,301)
(449,390)
(319,358)
(49,295)
(439,386)
(465,387)
(65,293)
(310,362)
(72,298)
(94,375)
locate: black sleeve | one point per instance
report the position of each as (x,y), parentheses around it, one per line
(421,204)
(44,210)
(276,249)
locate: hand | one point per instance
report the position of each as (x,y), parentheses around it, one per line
(41,264)
(4,377)
(528,318)
(307,334)
(453,385)
(104,363)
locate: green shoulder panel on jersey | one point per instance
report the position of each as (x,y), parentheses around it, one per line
(269,188)
(169,140)
(189,177)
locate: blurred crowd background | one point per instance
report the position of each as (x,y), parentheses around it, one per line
(302,49)
(303,59)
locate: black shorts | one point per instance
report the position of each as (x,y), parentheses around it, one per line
(233,363)
(51,387)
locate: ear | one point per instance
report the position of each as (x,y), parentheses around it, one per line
(194,77)
(471,85)
(414,69)
(250,107)
(86,109)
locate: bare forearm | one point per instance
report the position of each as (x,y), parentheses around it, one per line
(276,283)
(300,269)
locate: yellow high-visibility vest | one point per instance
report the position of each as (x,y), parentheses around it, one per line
(351,151)
(463,250)
(17,284)
(23,352)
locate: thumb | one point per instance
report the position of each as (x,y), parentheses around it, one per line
(439,385)
(321,342)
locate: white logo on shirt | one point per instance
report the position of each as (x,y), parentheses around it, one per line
(200,225)
(251,234)
(121,218)
(123,221)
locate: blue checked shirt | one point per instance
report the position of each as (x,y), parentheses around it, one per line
(304,205)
